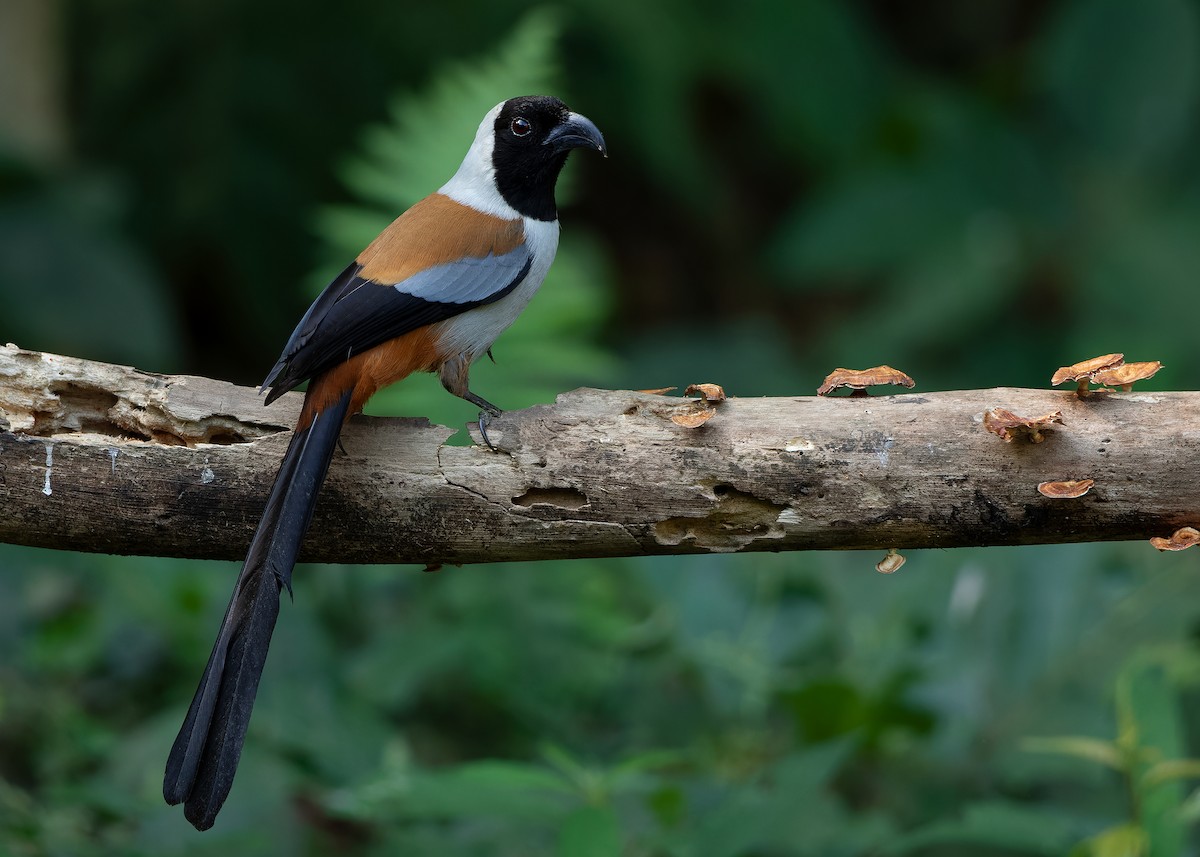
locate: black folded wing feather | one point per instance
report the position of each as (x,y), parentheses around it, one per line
(353,315)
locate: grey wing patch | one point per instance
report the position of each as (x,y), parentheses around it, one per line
(471,280)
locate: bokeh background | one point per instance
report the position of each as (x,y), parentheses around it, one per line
(975,192)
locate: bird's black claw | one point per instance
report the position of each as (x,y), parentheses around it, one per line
(485,419)
(491,356)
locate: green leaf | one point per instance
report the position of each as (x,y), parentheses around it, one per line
(997,825)
(1093,749)
(1126,840)
(591,783)
(668,805)
(1153,704)
(590,831)
(1171,769)
(651,760)
(1189,810)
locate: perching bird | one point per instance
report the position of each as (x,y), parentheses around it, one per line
(430,294)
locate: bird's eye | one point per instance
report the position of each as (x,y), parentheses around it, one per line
(521,126)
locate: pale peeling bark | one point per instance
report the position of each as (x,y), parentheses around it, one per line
(96,457)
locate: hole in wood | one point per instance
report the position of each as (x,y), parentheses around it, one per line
(564,498)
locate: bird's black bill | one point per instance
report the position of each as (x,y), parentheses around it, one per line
(578,132)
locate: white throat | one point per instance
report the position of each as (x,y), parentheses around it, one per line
(475,182)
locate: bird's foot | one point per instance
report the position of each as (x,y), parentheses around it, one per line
(485,419)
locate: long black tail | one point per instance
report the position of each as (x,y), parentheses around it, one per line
(205,755)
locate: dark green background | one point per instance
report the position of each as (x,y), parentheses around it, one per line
(975,192)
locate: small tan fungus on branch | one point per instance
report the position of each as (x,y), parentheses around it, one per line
(1007,425)
(1181,539)
(891,563)
(693,419)
(1068,490)
(859,379)
(707,392)
(702,410)
(1084,371)
(1127,375)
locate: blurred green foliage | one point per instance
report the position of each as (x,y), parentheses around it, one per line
(792,186)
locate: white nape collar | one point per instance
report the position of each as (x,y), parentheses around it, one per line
(474,184)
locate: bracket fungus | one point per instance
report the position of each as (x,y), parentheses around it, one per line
(891,563)
(1009,426)
(697,413)
(1127,374)
(1067,490)
(1085,371)
(859,379)
(708,392)
(1181,539)
(693,417)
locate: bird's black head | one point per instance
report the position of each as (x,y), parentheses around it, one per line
(533,136)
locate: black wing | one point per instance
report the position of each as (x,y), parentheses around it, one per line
(354,315)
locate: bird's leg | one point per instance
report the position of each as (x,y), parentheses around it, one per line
(485,416)
(454,375)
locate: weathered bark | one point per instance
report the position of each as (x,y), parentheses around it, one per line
(104,458)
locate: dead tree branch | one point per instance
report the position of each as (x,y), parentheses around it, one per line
(96,457)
